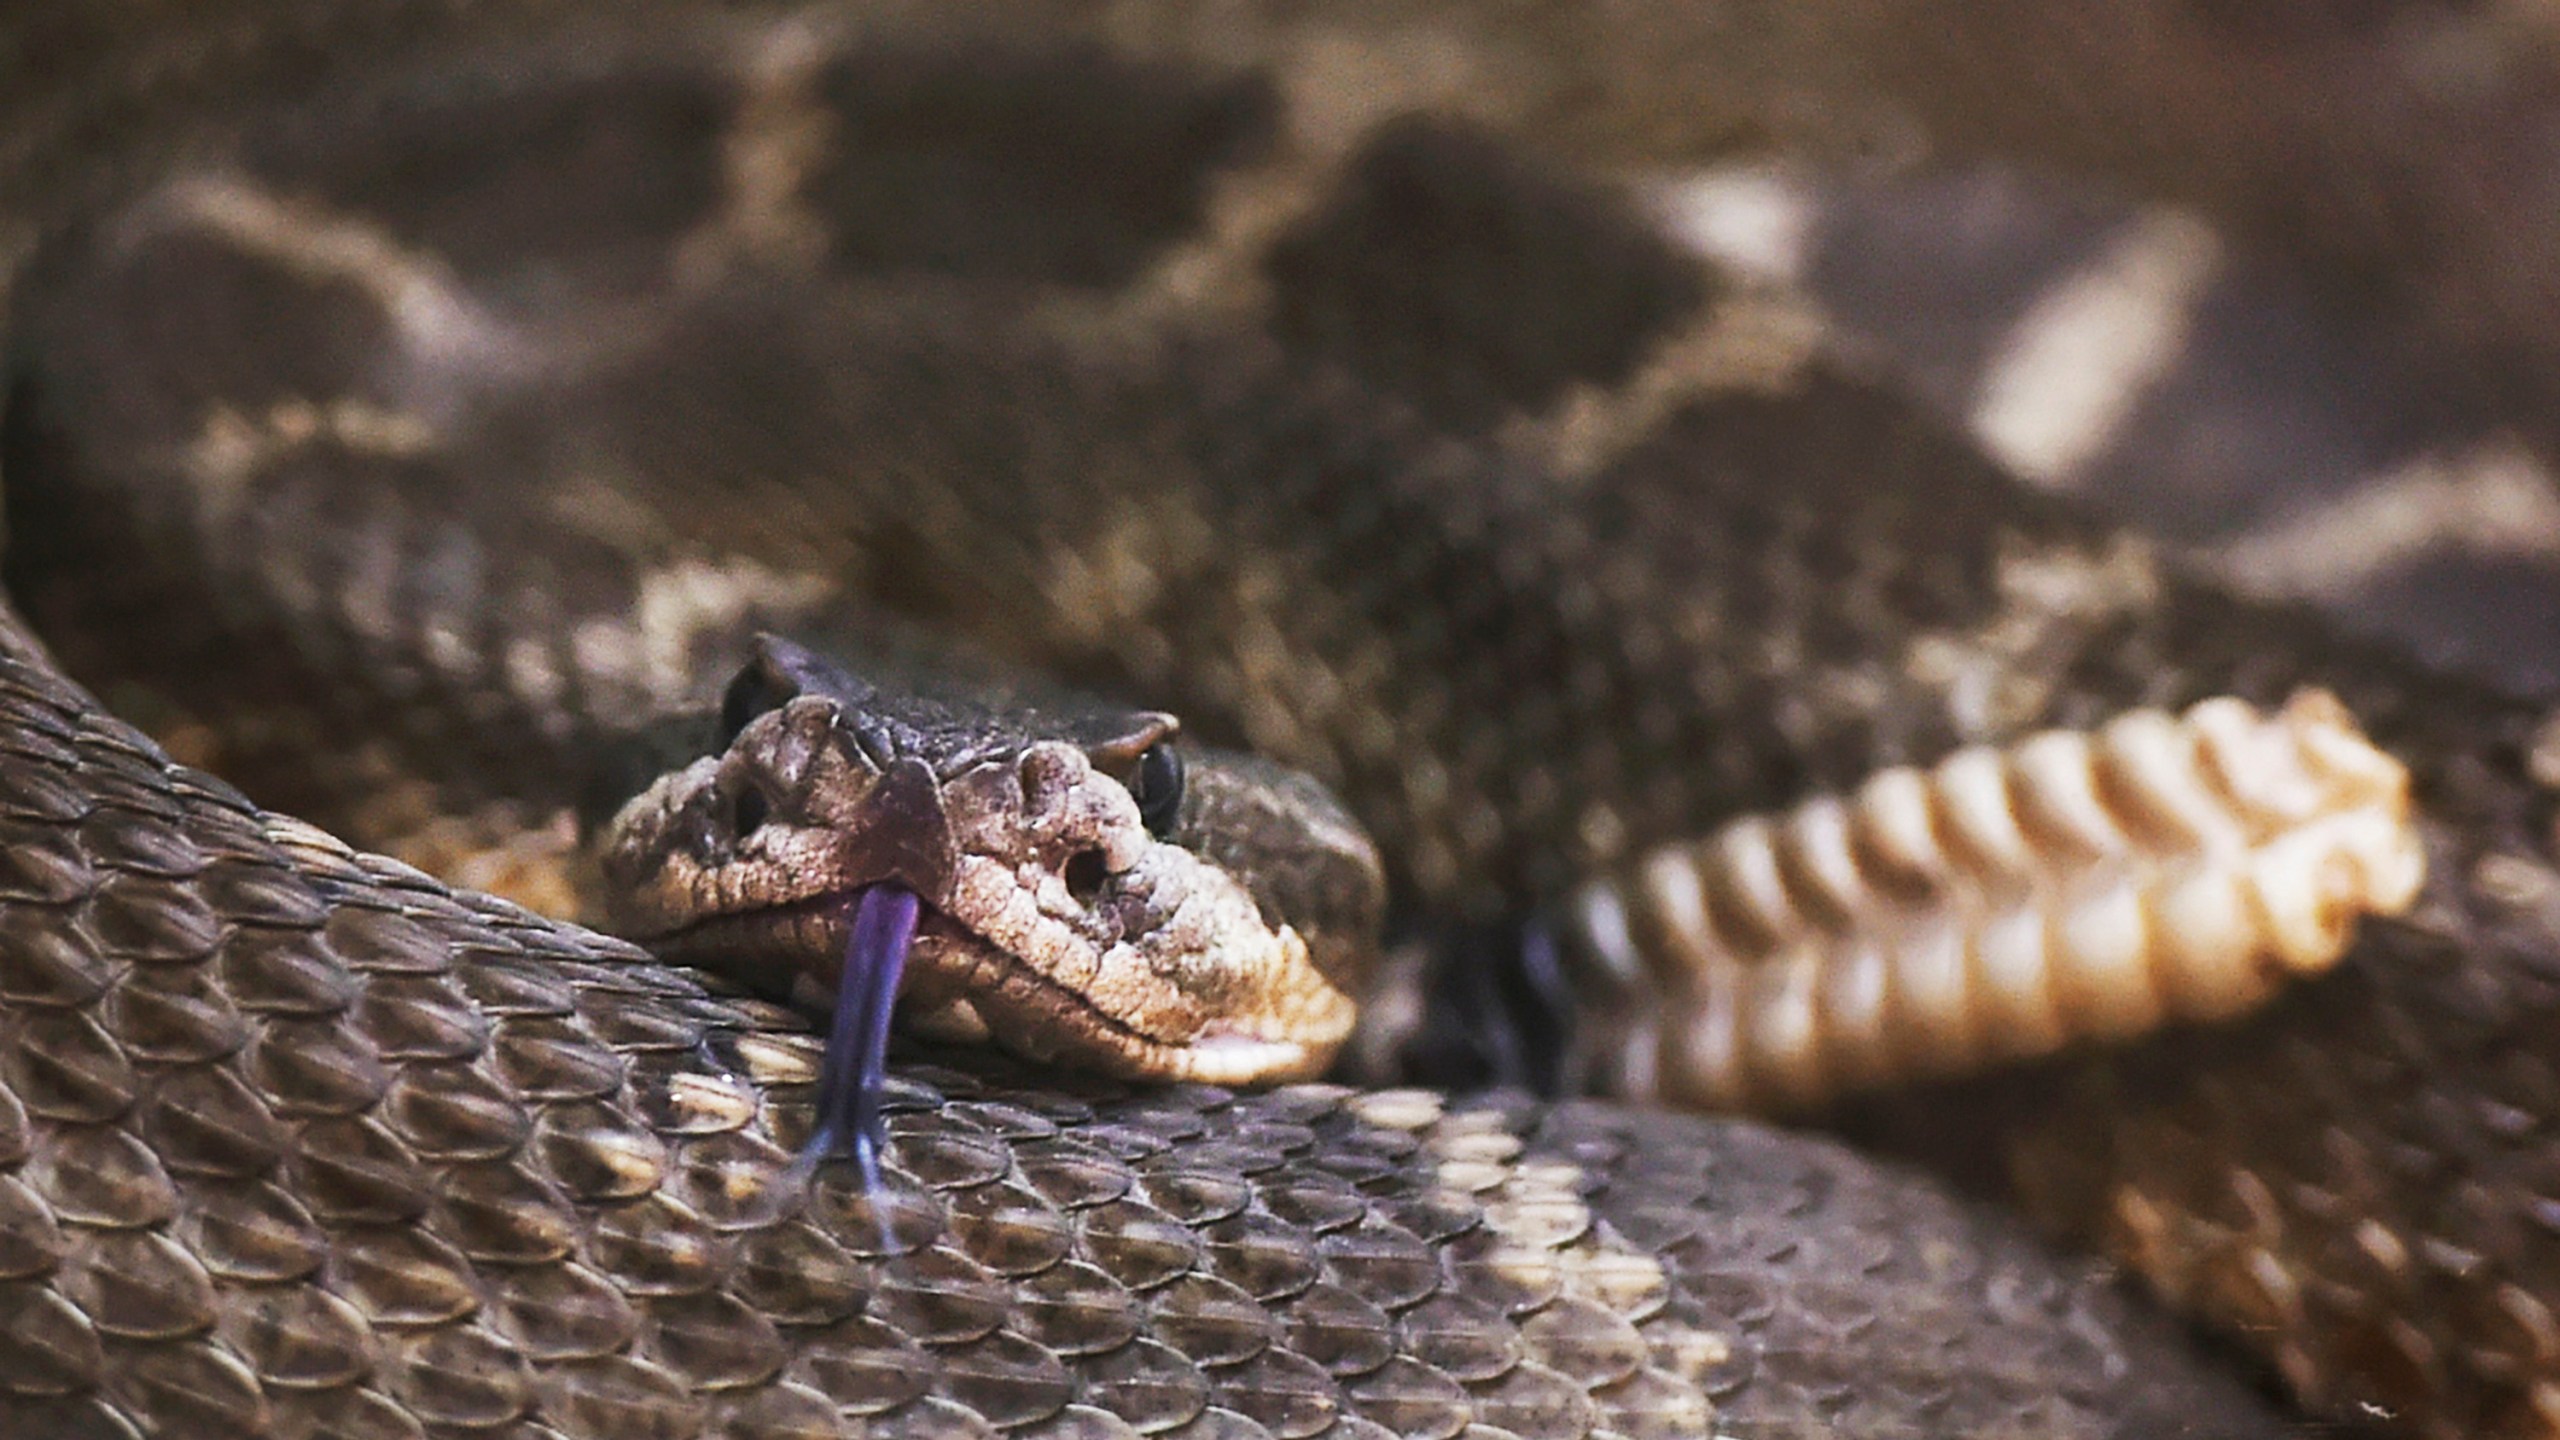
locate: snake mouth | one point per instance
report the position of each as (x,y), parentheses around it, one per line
(877,929)
(963,985)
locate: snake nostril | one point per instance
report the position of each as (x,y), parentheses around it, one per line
(1085,872)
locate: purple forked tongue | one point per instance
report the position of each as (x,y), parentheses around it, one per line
(855,1070)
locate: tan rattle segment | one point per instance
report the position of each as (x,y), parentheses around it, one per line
(2006,903)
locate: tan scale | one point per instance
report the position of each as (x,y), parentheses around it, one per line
(2007,903)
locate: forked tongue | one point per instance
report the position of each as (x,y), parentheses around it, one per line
(855,1070)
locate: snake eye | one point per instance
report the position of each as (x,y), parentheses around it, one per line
(1157,787)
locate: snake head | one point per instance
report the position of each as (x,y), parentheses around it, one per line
(1072,909)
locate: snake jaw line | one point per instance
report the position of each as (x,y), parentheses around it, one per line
(2003,905)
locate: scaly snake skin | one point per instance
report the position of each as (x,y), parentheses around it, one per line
(1898,596)
(300,1142)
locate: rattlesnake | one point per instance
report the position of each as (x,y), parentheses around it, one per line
(1826,537)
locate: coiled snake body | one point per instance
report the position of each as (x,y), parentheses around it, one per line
(412,379)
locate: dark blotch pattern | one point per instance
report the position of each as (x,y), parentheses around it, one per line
(1072,166)
(514,177)
(1474,282)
